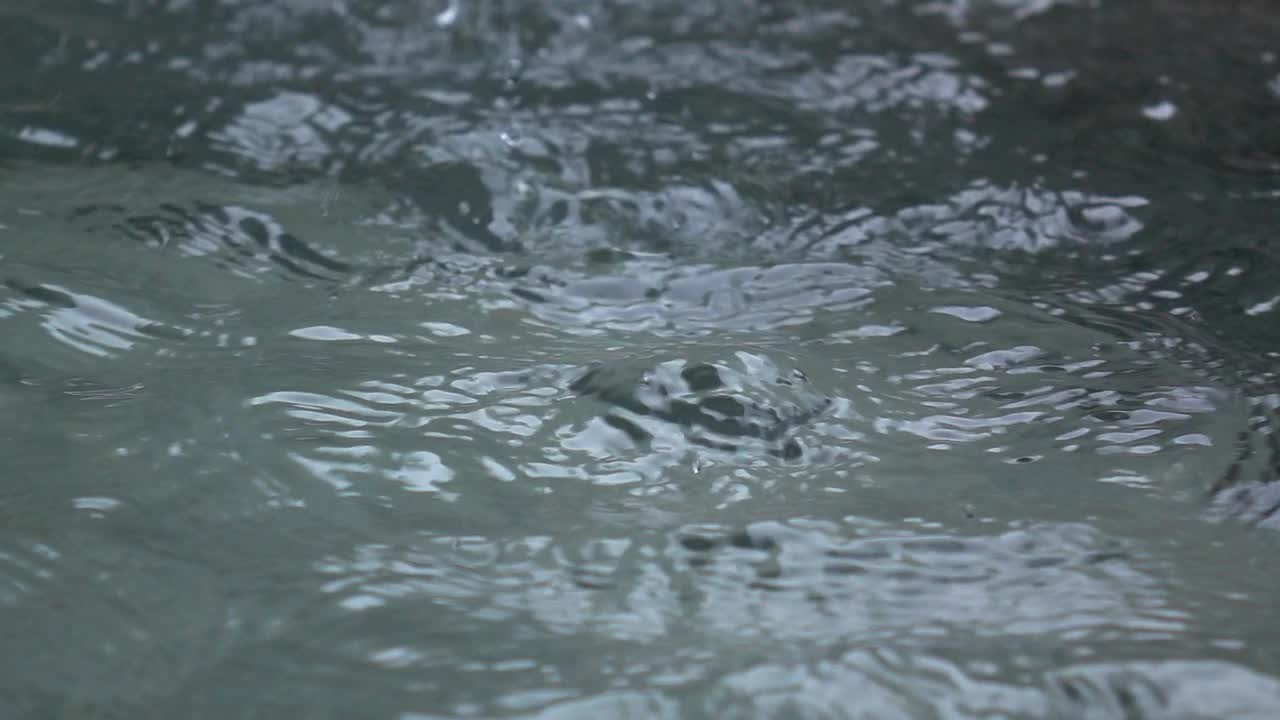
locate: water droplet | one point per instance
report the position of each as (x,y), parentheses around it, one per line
(1160,111)
(447,17)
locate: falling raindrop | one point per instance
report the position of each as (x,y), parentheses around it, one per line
(449,16)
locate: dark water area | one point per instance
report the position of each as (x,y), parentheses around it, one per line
(490,358)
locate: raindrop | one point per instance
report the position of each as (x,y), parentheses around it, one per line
(449,16)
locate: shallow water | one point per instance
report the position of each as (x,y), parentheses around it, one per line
(594,359)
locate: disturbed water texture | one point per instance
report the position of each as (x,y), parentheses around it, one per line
(639,359)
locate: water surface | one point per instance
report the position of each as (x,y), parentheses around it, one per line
(592,359)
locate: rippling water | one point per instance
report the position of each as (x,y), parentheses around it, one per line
(493,358)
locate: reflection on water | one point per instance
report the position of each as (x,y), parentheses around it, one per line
(736,359)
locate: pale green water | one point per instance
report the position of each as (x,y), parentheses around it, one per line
(413,360)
